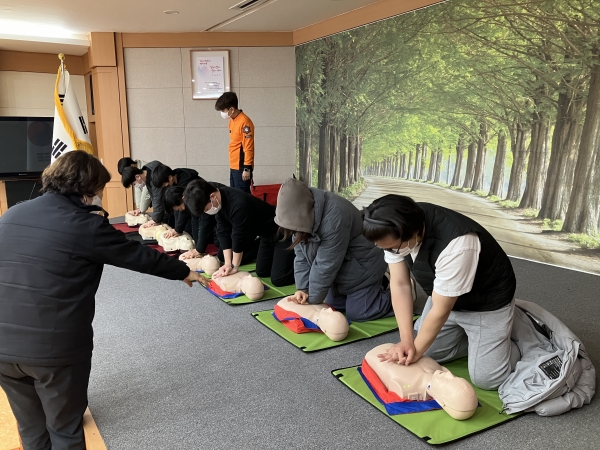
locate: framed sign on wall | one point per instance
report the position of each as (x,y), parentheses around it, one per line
(210,73)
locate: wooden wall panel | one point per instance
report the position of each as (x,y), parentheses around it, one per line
(102,50)
(3,199)
(381,10)
(38,62)
(207,39)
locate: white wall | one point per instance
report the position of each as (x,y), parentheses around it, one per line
(166,124)
(32,94)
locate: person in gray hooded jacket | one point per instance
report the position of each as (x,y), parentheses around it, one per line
(334,262)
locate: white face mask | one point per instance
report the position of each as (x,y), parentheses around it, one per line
(225,115)
(407,250)
(140,185)
(213,209)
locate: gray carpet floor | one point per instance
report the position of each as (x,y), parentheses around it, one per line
(175,368)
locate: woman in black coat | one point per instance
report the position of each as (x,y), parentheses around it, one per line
(52,253)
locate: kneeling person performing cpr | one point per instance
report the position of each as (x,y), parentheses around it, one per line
(467,276)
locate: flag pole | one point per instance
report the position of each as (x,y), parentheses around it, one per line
(61,56)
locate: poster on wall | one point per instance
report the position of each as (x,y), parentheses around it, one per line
(210,73)
(487,107)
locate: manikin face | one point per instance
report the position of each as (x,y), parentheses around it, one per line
(455,395)
(252,287)
(333,324)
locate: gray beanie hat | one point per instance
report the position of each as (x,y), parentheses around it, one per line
(295,206)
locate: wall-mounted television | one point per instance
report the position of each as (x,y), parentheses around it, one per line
(25,146)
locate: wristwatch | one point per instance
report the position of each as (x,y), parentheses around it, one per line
(247,170)
(232,266)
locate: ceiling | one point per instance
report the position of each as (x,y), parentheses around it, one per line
(48,25)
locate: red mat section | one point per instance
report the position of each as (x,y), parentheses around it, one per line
(124,227)
(212,249)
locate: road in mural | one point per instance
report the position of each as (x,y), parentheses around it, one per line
(497,98)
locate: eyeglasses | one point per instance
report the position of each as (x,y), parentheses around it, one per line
(394,251)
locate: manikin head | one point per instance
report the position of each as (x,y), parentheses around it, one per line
(455,395)
(210,264)
(252,287)
(333,324)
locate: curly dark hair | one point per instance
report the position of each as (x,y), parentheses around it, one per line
(75,173)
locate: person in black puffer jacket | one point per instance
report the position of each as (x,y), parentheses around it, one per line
(53,251)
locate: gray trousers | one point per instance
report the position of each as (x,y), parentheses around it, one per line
(48,403)
(482,336)
(369,303)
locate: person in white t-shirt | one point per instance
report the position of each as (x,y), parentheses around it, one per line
(469,280)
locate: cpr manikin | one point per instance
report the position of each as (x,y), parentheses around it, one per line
(133,221)
(207,264)
(332,323)
(425,380)
(242,282)
(149,233)
(183,242)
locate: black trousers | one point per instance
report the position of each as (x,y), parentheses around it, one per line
(236,181)
(275,261)
(48,403)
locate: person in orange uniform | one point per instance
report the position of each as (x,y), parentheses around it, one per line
(241,141)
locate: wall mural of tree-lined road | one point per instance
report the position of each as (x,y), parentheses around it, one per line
(496,97)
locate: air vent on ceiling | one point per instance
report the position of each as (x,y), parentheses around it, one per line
(247,4)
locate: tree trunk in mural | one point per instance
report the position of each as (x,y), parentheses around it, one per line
(334,161)
(582,213)
(351,155)
(424,148)
(471,154)
(498,173)
(410,165)
(324,156)
(520,153)
(537,165)
(430,172)
(565,145)
(438,166)
(305,163)
(417,161)
(358,159)
(460,151)
(343,161)
(480,159)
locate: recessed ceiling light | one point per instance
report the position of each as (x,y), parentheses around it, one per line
(171,11)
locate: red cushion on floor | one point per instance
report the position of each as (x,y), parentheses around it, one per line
(124,227)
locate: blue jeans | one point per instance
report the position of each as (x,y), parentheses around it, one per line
(236,181)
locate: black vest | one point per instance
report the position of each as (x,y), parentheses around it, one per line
(495,282)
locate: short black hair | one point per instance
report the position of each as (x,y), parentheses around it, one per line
(197,196)
(160,175)
(128,175)
(393,215)
(226,101)
(125,162)
(172,197)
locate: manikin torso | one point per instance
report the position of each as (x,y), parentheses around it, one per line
(332,323)
(208,264)
(183,242)
(150,233)
(140,219)
(425,380)
(242,282)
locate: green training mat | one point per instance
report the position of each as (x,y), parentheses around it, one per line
(284,290)
(270,294)
(312,342)
(436,427)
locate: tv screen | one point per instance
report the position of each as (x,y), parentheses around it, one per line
(25,146)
